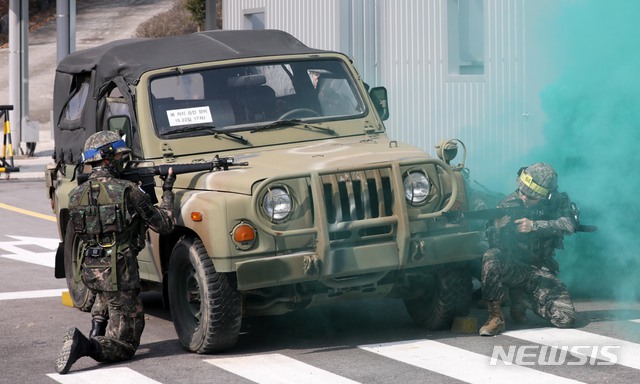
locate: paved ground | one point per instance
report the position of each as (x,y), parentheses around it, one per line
(97,22)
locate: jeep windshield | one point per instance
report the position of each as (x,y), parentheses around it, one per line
(253,97)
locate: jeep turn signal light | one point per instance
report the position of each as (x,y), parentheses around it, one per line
(244,235)
(196,216)
(244,232)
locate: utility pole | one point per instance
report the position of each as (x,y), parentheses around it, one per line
(18,66)
(210,15)
(65,28)
(24,130)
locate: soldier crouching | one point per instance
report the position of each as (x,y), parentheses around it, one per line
(521,255)
(111,216)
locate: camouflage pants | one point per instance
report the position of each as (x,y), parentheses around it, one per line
(100,310)
(126,323)
(542,291)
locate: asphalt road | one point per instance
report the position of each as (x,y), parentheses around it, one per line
(358,342)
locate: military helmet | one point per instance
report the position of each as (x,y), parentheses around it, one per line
(537,180)
(103,145)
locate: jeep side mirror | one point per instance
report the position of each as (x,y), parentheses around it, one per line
(379,98)
(121,125)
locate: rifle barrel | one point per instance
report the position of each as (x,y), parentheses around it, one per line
(163,170)
(515,212)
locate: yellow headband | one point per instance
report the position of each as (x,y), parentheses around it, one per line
(528,181)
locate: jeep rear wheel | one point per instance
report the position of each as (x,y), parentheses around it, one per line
(81,296)
(205,306)
(448,296)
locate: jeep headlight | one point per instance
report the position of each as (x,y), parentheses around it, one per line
(276,204)
(417,187)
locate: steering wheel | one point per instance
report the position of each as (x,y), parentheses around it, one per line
(302,112)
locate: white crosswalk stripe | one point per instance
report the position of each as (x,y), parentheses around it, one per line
(276,368)
(583,343)
(459,363)
(106,376)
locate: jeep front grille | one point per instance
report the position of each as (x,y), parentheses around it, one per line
(358,195)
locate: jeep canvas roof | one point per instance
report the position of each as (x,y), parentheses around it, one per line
(132,57)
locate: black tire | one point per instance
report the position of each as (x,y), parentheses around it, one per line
(81,296)
(448,296)
(205,306)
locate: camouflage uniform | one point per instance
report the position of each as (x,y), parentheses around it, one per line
(528,262)
(525,262)
(111,216)
(120,291)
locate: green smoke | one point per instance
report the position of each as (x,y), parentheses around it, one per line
(592,134)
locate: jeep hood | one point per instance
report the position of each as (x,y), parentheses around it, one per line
(328,155)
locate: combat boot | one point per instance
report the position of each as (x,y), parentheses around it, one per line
(495,323)
(98,328)
(518,310)
(74,346)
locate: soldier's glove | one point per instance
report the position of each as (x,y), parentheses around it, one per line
(167,185)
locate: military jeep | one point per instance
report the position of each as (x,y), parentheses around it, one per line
(327,208)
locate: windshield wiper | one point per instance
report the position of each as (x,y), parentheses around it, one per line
(232,135)
(296,123)
(210,129)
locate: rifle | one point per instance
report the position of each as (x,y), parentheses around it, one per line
(145,176)
(515,213)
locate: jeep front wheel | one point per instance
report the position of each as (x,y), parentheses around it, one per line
(205,306)
(81,296)
(448,296)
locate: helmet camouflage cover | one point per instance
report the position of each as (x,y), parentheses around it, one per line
(103,145)
(537,180)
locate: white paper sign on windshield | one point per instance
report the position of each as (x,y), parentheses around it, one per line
(188,116)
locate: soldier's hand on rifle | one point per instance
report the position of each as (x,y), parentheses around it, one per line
(167,185)
(524,225)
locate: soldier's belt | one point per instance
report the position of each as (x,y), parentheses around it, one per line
(106,240)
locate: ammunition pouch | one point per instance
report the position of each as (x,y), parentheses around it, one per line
(96,220)
(96,257)
(97,210)
(98,268)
